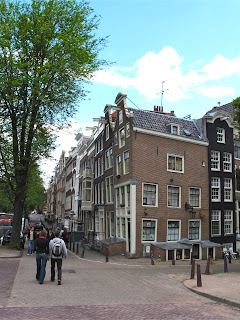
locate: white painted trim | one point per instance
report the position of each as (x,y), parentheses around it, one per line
(169,136)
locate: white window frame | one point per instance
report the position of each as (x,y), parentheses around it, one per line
(121,141)
(217,213)
(179,196)
(199,197)
(116,138)
(179,229)
(124,162)
(127,130)
(148,192)
(228,190)
(227,162)
(220,135)
(215,189)
(119,165)
(228,222)
(107,132)
(199,228)
(175,157)
(215,160)
(174,128)
(109,189)
(108,158)
(120,116)
(147,224)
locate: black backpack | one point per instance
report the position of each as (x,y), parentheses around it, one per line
(57,249)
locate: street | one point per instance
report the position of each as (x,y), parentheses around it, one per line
(100,290)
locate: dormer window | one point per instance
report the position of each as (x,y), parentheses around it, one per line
(220,135)
(120,117)
(173,128)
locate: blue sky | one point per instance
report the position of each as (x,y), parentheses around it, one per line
(192,45)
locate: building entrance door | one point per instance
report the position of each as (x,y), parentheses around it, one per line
(195,251)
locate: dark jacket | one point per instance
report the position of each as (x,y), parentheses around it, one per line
(50,236)
(41,245)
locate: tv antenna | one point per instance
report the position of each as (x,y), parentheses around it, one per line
(162,92)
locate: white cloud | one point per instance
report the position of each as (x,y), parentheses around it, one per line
(147,74)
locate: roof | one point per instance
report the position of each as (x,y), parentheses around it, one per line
(185,244)
(159,122)
(228,108)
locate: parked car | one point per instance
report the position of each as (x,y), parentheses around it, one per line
(7,237)
(38,226)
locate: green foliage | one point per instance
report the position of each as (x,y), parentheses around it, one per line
(48,50)
(236,106)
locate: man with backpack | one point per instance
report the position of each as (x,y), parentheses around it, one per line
(57,250)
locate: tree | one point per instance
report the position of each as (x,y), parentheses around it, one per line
(48,50)
(236,107)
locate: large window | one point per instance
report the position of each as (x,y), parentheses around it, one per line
(126,162)
(112,224)
(228,222)
(149,230)
(227,162)
(173,233)
(237,152)
(108,158)
(127,130)
(194,230)
(238,179)
(107,132)
(216,222)
(109,189)
(121,137)
(174,196)
(215,189)
(119,165)
(228,190)
(220,135)
(150,194)
(215,160)
(175,163)
(195,197)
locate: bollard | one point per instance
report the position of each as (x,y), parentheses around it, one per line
(193,269)
(191,257)
(173,260)
(207,270)
(83,250)
(229,257)
(225,264)
(107,254)
(199,279)
(70,245)
(77,248)
(73,247)
(152,261)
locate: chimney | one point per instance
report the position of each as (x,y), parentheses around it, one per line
(219,104)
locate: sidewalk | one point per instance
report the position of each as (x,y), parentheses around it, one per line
(219,286)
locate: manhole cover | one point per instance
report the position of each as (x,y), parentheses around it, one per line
(69,271)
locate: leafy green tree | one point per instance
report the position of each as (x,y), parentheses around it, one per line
(48,50)
(236,106)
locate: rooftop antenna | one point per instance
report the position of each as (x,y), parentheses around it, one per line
(162,92)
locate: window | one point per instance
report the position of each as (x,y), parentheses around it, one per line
(127,130)
(194,230)
(123,228)
(107,132)
(238,179)
(195,197)
(121,137)
(220,135)
(228,190)
(215,189)
(173,233)
(175,163)
(128,195)
(99,167)
(227,162)
(126,162)
(149,194)
(117,197)
(120,117)
(112,224)
(118,227)
(109,189)
(215,222)
(119,166)
(237,152)
(228,222)
(215,160)
(173,128)
(122,204)
(108,158)
(87,190)
(173,196)
(102,192)
(116,138)
(99,193)
(149,230)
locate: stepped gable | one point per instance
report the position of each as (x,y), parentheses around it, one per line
(159,122)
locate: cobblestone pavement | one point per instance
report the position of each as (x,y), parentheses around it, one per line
(99,290)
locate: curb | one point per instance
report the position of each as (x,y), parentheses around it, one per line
(13,256)
(214,298)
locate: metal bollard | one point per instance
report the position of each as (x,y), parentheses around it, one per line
(152,261)
(83,251)
(70,245)
(73,247)
(77,248)
(193,269)
(107,254)
(173,260)
(229,257)
(207,270)
(199,278)
(191,257)
(225,264)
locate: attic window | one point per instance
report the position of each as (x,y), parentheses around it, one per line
(173,128)
(188,133)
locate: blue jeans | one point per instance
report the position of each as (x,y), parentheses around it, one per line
(41,259)
(30,246)
(59,268)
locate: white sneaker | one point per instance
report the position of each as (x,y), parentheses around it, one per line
(28,254)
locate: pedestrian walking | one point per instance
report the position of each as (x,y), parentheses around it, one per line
(65,237)
(50,234)
(58,250)
(31,237)
(41,246)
